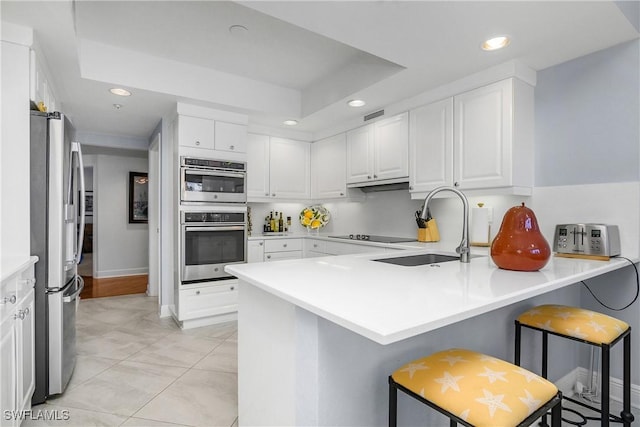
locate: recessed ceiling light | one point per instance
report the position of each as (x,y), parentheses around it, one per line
(119,91)
(290,122)
(495,43)
(117,106)
(356,103)
(238,30)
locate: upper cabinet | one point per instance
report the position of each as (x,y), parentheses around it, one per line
(329,168)
(379,152)
(197,132)
(484,143)
(277,168)
(230,137)
(431,146)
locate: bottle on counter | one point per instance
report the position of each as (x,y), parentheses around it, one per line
(281,223)
(288,223)
(276,225)
(272,222)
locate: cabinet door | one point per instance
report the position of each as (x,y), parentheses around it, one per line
(482,136)
(255,251)
(257,166)
(289,163)
(208,301)
(230,137)
(196,132)
(360,154)
(25,344)
(8,368)
(431,146)
(279,256)
(391,148)
(329,168)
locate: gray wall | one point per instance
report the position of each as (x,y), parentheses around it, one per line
(588,131)
(587,115)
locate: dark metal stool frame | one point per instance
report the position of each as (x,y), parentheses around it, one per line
(626,417)
(555,405)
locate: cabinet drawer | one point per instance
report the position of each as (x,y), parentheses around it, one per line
(196,132)
(209,301)
(315,246)
(277,256)
(283,245)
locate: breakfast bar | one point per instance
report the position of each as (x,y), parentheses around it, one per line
(318,337)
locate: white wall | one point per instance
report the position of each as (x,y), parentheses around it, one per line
(120,248)
(14,143)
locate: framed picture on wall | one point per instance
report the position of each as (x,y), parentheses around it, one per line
(138,198)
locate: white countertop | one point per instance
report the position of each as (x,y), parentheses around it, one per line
(10,265)
(388,303)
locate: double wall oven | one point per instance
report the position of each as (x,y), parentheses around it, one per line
(213,219)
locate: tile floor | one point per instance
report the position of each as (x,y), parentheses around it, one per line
(134,369)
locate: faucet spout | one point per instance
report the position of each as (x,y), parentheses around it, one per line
(463,249)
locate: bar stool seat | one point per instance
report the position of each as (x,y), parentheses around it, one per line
(475,389)
(588,327)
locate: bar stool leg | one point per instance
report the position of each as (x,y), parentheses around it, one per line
(516,358)
(545,365)
(604,416)
(626,415)
(452,423)
(393,404)
(556,415)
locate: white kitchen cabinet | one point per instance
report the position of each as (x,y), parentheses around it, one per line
(258,166)
(277,169)
(493,136)
(315,248)
(379,152)
(211,300)
(230,137)
(431,146)
(255,251)
(196,132)
(279,249)
(329,168)
(289,175)
(17,342)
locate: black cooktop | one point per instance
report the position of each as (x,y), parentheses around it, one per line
(377,239)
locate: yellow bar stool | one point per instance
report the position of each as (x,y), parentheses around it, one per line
(588,327)
(476,390)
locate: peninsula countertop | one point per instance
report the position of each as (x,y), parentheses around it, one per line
(388,303)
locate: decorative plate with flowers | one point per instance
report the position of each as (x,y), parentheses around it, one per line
(314,217)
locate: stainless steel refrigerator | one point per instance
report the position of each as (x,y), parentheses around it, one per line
(57,226)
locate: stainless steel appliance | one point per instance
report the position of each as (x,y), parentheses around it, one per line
(57,224)
(209,241)
(587,239)
(377,239)
(212,181)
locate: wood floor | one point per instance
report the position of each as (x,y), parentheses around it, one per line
(113,286)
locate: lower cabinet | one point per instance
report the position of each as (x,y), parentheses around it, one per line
(279,249)
(209,300)
(17,345)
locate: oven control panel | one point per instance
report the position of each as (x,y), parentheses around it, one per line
(213,217)
(587,239)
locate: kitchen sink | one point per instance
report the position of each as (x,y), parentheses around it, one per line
(423,259)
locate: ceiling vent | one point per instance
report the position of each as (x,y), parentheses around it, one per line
(374,115)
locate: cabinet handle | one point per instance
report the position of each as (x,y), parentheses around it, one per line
(232,288)
(375,176)
(266,194)
(197,292)
(273,194)
(284,245)
(342,194)
(456,184)
(268,256)
(20,315)
(368,176)
(11,299)
(315,245)
(411,187)
(197,142)
(231,147)
(261,243)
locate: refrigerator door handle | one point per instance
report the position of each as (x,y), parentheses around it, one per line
(75,148)
(75,295)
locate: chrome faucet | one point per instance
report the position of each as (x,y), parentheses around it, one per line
(463,249)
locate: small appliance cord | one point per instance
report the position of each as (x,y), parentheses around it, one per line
(632,301)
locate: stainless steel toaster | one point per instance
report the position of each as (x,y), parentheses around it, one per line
(587,239)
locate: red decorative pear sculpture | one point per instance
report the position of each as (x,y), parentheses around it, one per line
(519,245)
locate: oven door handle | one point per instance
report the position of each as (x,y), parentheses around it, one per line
(215,228)
(214,173)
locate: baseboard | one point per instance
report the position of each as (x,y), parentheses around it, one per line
(118,273)
(206,321)
(567,383)
(165,311)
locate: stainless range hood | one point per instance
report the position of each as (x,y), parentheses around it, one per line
(386,185)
